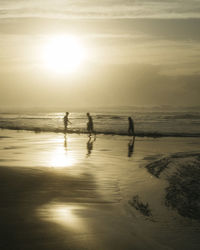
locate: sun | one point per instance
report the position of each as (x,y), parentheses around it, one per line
(63,54)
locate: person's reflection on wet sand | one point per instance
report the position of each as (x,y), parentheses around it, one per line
(90,146)
(131,146)
(65,141)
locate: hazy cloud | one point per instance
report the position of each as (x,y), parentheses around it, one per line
(104,9)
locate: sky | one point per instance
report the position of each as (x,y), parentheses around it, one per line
(138,52)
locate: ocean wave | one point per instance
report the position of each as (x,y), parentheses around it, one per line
(114,117)
(82,131)
(183,116)
(25,118)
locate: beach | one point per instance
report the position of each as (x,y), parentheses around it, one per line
(100,125)
(69,192)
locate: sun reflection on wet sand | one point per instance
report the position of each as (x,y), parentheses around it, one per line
(63,214)
(62,158)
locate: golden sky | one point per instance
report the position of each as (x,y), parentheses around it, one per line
(136,52)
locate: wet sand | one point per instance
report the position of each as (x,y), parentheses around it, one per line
(74,193)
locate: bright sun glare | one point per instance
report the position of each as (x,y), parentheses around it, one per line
(63,54)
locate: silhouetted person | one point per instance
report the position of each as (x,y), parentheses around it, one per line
(90,145)
(90,127)
(131,126)
(131,146)
(66,121)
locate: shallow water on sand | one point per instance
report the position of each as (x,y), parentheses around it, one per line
(82,187)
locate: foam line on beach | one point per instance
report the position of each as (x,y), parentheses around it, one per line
(77,131)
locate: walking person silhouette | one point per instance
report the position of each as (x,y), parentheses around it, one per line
(131,127)
(66,121)
(90,126)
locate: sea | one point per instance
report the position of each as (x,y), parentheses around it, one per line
(155,121)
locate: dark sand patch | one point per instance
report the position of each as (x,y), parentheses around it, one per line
(157,167)
(6,160)
(182,171)
(142,207)
(12,147)
(4,137)
(22,191)
(183,192)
